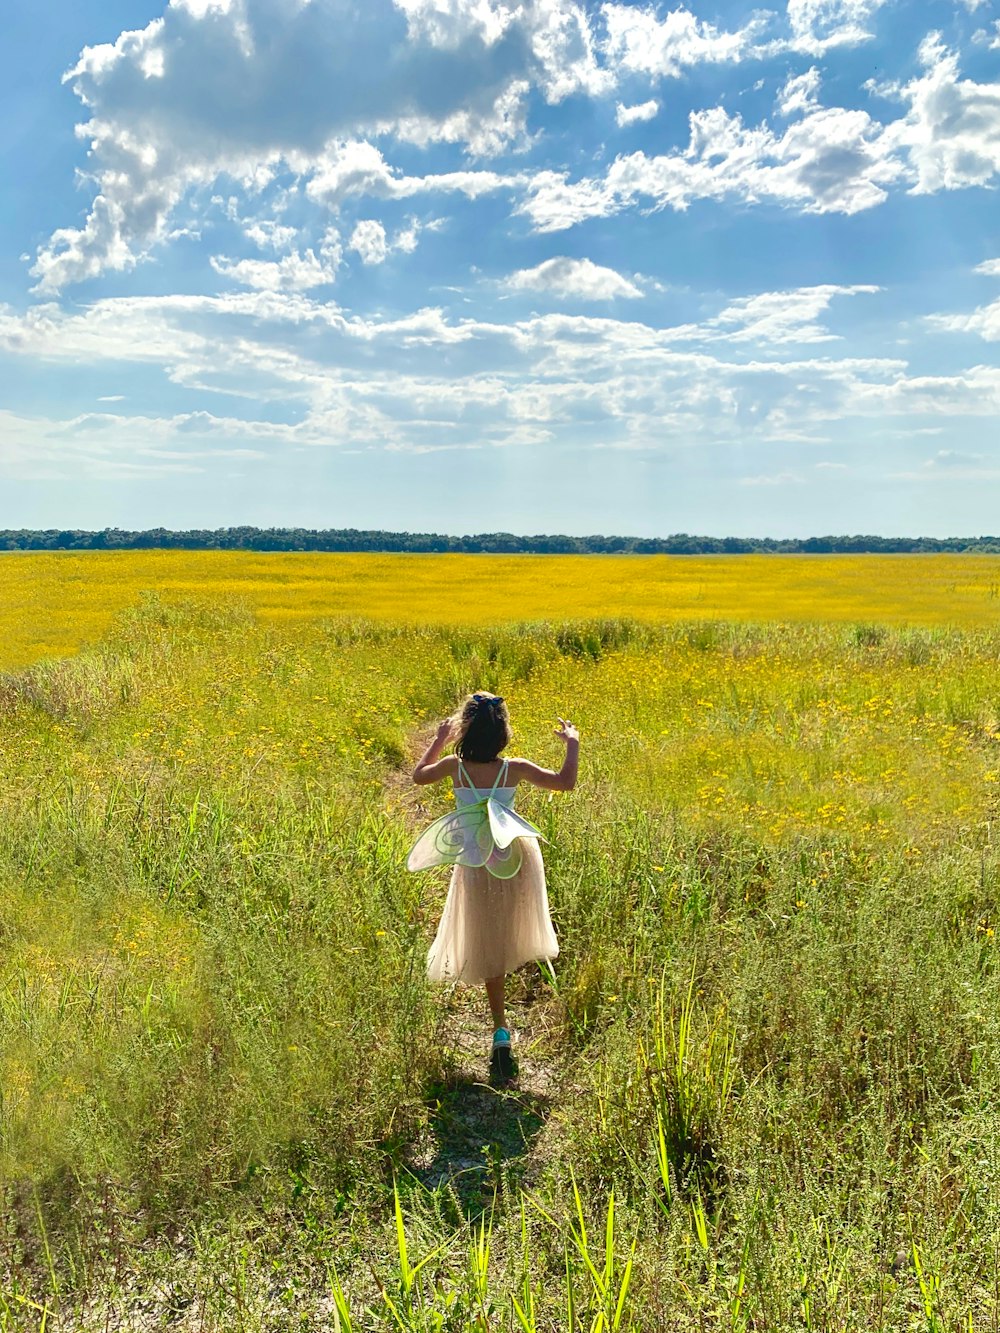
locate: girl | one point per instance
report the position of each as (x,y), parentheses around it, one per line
(497,913)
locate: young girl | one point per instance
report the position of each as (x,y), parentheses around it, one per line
(497,913)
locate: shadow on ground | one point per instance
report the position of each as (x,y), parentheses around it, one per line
(476,1137)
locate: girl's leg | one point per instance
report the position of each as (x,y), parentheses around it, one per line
(503,1066)
(495,995)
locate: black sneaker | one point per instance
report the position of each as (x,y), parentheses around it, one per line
(503,1066)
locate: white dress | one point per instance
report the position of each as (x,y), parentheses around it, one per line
(491,926)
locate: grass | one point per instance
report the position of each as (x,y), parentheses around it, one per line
(770,1044)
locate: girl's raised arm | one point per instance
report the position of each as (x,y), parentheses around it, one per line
(430,768)
(565,779)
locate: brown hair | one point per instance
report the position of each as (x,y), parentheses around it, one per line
(482,728)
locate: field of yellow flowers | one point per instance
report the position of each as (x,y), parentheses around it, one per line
(760,1085)
(52,603)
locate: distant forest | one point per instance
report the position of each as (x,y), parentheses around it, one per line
(496,543)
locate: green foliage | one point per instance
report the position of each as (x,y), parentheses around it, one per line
(354,539)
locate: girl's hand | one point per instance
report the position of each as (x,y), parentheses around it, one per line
(566,731)
(443,732)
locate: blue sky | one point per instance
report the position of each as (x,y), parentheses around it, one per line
(532,265)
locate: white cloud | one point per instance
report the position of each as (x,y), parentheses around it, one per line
(267,234)
(747,373)
(627,381)
(799,93)
(73,254)
(827,160)
(111,447)
(832,160)
(984,321)
(577,278)
(641,43)
(248,89)
(368,241)
(355,167)
(818,25)
(631,115)
(292,273)
(951,130)
(973,392)
(951,458)
(252,91)
(450,23)
(774,479)
(556,33)
(781,317)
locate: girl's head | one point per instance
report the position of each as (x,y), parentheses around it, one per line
(481,728)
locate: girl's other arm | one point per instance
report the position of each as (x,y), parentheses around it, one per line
(565,779)
(430,767)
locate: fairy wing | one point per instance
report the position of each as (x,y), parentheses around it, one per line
(506,825)
(462,835)
(483,834)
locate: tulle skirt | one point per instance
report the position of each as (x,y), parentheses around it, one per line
(491,926)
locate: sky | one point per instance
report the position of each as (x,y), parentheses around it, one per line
(501,265)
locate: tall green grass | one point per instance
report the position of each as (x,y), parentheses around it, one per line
(772,1047)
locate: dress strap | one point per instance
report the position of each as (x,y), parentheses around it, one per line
(501,773)
(463,772)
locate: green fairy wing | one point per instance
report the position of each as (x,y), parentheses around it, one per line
(506,825)
(462,836)
(484,834)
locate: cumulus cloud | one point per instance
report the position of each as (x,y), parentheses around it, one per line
(267,234)
(292,273)
(631,115)
(827,160)
(832,160)
(577,278)
(974,392)
(369,242)
(951,129)
(248,89)
(554,35)
(641,43)
(356,167)
(984,320)
(818,25)
(254,91)
(799,93)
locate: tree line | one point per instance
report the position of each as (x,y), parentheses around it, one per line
(497,543)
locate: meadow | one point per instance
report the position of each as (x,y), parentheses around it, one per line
(54,602)
(760,1085)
